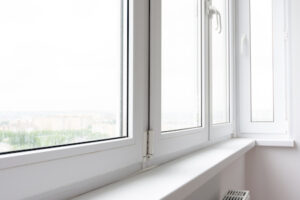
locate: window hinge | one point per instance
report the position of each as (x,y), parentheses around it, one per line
(149,142)
(207,7)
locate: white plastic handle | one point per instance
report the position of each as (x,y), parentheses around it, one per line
(243,44)
(213,11)
(219,22)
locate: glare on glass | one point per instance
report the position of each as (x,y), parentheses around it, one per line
(181,65)
(61,72)
(220,97)
(261,61)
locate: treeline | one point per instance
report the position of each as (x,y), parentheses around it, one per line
(35,139)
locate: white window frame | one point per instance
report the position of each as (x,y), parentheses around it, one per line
(123,156)
(279,127)
(223,129)
(166,146)
(173,142)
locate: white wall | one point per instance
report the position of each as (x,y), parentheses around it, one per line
(274,173)
(233,177)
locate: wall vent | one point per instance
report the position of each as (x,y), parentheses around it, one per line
(237,195)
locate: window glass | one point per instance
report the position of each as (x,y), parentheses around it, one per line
(220,98)
(63,70)
(181,92)
(261,61)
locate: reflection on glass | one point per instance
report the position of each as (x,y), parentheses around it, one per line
(181,66)
(219,67)
(60,72)
(261,61)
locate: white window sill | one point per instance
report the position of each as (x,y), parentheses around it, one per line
(178,178)
(275,142)
(270,140)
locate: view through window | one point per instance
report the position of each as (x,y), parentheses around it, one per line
(181,93)
(63,72)
(262,92)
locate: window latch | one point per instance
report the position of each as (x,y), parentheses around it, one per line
(212,11)
(149,143)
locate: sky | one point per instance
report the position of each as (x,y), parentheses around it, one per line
(60,55)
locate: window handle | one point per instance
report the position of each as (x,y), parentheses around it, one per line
(244,41)
(213,11)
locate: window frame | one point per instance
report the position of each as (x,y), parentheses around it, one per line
(177,141)
(168,145)
(280,66)
(173,142)
(220,130)
(136,120)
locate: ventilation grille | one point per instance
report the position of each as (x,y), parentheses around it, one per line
(237,195)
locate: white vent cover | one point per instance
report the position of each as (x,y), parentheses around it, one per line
(237,195)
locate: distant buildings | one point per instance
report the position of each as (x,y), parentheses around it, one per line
(95,122)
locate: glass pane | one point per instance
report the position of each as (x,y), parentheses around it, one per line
(261,61)
(61,72)
(219,66)
(181,65)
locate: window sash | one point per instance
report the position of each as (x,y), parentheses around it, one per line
(166,144)
(123,125)
(278,126)
(227,127)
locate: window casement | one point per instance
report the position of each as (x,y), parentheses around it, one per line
(221,69)
(190,74)
(80,60)
(262,67)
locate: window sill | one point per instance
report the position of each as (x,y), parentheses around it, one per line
(270,140)
(178,178)
(275,142)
